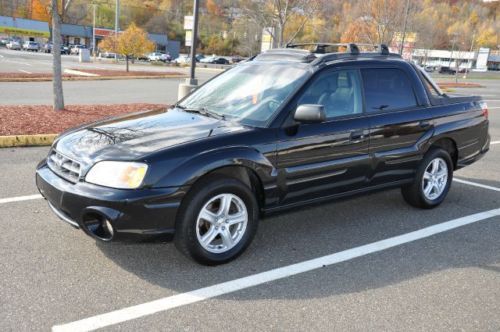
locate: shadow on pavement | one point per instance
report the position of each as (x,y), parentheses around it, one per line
(313,232)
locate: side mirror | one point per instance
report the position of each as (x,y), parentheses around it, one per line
(310,113)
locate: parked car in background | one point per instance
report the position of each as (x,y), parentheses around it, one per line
(199,57)
(76,49)
(157,56)
(65,49)
(107,55)
(14,45)
(447,70)
(237,58)
(4,41)
(219,60)
(47,48)
(183,59)
(31,46)
(429,69)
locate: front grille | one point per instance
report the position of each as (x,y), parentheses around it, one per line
(64,166)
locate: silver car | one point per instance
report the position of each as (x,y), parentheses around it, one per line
(31,46)
(14,45)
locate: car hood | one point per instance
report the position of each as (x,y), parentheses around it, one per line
(134,136)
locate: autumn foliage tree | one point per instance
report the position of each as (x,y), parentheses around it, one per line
(40,10)
(132,43)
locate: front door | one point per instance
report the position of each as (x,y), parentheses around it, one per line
(324,159)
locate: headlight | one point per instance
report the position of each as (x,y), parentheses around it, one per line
(117,174)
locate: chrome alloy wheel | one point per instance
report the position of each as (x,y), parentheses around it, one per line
(221,223)
(435,179)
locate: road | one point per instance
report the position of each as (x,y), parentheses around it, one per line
(77,92)
(53,275)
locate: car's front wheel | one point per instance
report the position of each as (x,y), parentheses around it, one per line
(432,181)
(217,221)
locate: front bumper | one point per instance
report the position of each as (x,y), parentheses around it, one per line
(131,213)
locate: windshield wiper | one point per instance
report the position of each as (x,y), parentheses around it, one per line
(202,111)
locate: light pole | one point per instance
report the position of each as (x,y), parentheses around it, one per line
(194,39)
(191,82)
(117,23)
(93,30)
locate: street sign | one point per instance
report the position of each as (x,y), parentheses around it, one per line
(189,37)
(188,22)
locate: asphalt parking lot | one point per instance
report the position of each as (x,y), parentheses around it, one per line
(160,91)
(368,263)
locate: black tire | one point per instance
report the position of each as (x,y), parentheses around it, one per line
(186,239)
(414,192)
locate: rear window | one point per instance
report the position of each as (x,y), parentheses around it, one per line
(387,89)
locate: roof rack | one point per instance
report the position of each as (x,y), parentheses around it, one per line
(287,54)
(319,54)
(320,48)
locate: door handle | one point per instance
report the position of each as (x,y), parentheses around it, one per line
(357,135)
(424,124)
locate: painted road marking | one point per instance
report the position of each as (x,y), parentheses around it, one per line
(25,71)
(493,108)
(202,294)
(19,62)
(475,184)
(19,198)
(494,142)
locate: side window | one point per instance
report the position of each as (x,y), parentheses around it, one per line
(387,89)
(432,90)
(338,91)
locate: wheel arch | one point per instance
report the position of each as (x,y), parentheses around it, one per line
(448,144)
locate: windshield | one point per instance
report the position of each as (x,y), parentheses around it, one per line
(250,93)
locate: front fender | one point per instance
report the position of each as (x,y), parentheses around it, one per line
(189,171)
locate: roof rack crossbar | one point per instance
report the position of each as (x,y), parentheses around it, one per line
(351,48)
(321,47)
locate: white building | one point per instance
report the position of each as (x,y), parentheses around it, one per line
(443,58)
(481,60)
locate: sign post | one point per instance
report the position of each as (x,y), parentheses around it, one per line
(191,27)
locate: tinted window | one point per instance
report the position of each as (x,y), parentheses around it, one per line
(387,89)
(338,91)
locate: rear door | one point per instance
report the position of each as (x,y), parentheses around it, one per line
(323,159)
(399,123)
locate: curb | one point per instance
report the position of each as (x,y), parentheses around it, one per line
(89,78)
(27,140)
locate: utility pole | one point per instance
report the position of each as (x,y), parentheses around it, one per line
(117,22)
(196,7)
(407,11)
(191,82)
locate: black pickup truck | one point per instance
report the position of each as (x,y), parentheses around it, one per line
(287,128)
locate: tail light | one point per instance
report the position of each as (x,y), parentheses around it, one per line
(484,107)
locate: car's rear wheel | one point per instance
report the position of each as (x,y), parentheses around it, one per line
(432,181)
(217,221)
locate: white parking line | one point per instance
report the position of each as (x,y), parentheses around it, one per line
(167,303)
(19,198)
(493,108)
(25,71)
(475,184)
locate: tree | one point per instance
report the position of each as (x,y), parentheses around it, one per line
(40,10)
(133,42)
(277,15)
(377,22)
(56,57)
